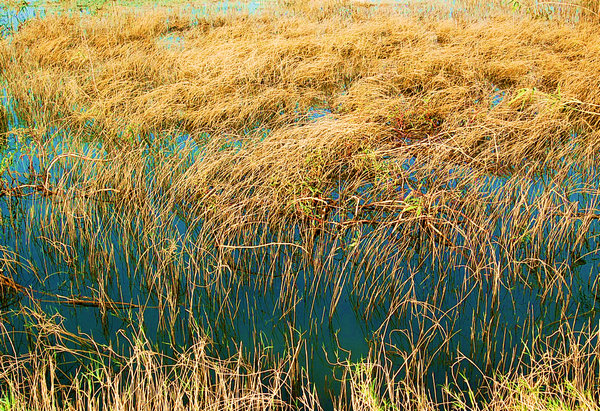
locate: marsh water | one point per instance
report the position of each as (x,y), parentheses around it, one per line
(163,279)
(106,272)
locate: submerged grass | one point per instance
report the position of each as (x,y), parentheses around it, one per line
(426,169)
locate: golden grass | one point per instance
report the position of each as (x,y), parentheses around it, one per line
(230,73)
(145,379)
(556,379)
(437,131)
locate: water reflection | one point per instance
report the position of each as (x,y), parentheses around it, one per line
(107,268)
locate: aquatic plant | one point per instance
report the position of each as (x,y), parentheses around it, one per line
(449,186)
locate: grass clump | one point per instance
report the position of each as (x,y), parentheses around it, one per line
(100,378)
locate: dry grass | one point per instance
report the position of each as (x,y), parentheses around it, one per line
(230,73)
(99,378)
(554,378)
(456,159)
(557,378)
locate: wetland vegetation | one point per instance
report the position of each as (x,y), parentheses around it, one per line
(300,205)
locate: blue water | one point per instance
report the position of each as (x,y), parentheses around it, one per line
(431,298)
(11,19)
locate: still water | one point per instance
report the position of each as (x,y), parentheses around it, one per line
(271,290)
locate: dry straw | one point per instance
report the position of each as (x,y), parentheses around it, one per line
(456,156)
